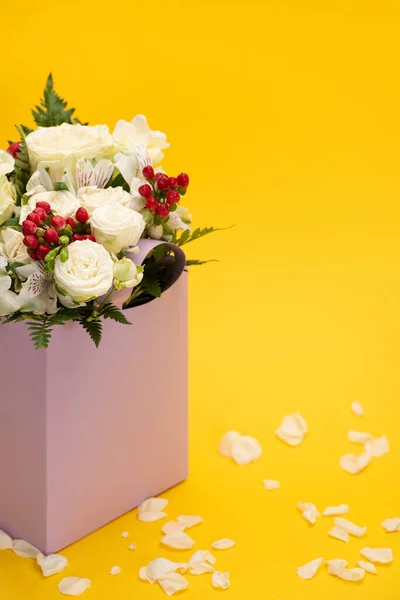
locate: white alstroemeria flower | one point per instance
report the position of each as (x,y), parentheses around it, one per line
(38,293)
(127,136)
(117,227)
(7,199)
(68,144)
(7,163)
(127,274)
(63,203)
(12,246)
(9,301)
(92,198)
(177,219)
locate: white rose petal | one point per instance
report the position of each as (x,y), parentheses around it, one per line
(7,199)
(201,562)
(6,542)
(367,566)
(339,534)
(125,534)
(359,437)
(245,450)
(331,511)
(115,570)
(172,527)
(153,505)
(7,163)
(12,246)
(309,570)
(309,512)
(225,446)
(159,568)
(63,203)
(190,520)
(355,574)
(292,429)
(116,227)
(353,463)
(390,525)
(128,136)
(336,564)
(92,197)
(172,583)
(132,546)
(25,549)
(223,544)
(357,408)
(178,540)
(221,580)
(74,586)
(377,555)
(377,446)
(151,517)
(271,484)
(350,527)
(51,564)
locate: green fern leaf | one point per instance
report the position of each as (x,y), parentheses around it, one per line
(53,110)
(187,237)
(40,332)
(191,263)
(21,172)
(94,329)
(110,311)
(151,284)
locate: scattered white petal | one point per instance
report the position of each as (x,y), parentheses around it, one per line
(74,586)
(359,437)
(225,445)
(332,511)
(309,512)
(223,544)
(350,527)
(115,570)
(245,449)
(51,564)
(172,583)
(25,549)
(201,562)
(190,520)
(221,580)
(178,540)
(355,574)
(357,408)
(172,527)
(309,570)
(271,484)
(339,534)
(367,566)
(377,555)
(132,546)
(353,463)
(125,534)
(160,568)
(292,429)
(6,542)
(152,510)
(203,555)
(390,525)
(336,564)
(378,446)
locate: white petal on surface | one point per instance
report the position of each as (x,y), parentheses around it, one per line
(203,556)
(132,546)
(115,570)
(355,574)
(359,437)
(225,445)
(339,534)
(25,549)
(6,542)
(200,567)
(292,429)
(74,586)
(309,570)
(350,527)
(377,555)
(368,567)
(357,408)
(178,540)
(223,544)
(332,511)
(150,517)
(353,463)
(336,564)
(190,520)
(172,527)
(153,505)
(172,583)
(125,534)
(245,449)
(221,580)
(159,568)
(309,511)
(271,484)
(389,525)
(52,564)
(378,446)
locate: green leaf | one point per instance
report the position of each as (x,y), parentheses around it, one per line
(40,331)
(12,222)
(26,130)
(151,284)
(94,329)
(187,237)
(53,109)
(191,263)
(21,173)
(110,311)
(118,181)
(60,186)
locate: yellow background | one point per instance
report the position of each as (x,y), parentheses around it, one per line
(286,115)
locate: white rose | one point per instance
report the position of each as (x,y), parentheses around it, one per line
(128,136)
(12,246)
(6,163)
(7,199)
(88,272)
(92,197)
(127,274)
(117,227)
(68,144)
(62,203)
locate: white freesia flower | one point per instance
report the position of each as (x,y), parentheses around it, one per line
(88,272)
(63,203)
(7,163)
(7,199)
(68,144)
(38,293)
(128,136)
(127,274)
(116,227)
(9,301)
(12,246)
(92,198)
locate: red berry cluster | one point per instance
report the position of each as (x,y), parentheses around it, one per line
(43,231)
(162,193)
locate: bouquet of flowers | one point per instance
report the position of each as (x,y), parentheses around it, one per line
(75,201)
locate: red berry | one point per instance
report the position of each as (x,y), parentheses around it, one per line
(77,238)
(51,236)
(145,190)
(29,227)
(31,241)
(89,237)
(148,172)
(34,217)
(82,215)
(172,197)
(162,181)
(71,222)
(151,203)
(173,182)
(45,205)
(58,222)
(162,210)
(183,180)
(13,149)
(42,251)
(41,212)
(33,254)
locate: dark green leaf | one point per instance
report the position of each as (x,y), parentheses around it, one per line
(94,329)
(191,263)
(151,284)
(110,311)
(53,109)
